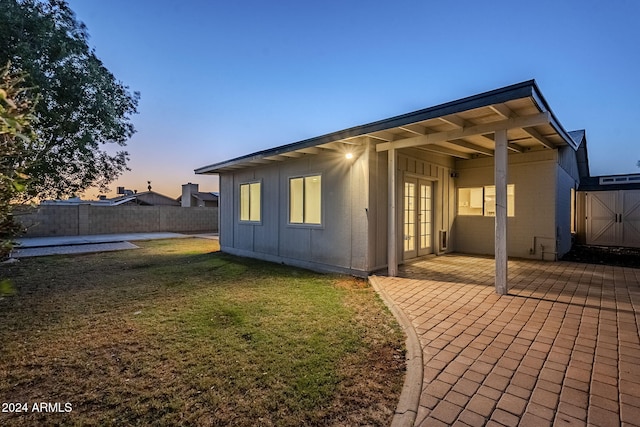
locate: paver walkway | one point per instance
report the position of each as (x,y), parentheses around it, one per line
(561,349)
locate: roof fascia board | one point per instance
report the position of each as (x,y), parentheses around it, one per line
(542,104)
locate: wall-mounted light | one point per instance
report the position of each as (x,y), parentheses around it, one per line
(349,156)
(454,174)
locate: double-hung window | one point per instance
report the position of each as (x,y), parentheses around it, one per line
(250,194)
(305,200)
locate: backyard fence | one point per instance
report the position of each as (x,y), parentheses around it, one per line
(77,220)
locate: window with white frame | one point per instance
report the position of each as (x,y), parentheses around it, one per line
(481,201)
(250,202)
(305,200)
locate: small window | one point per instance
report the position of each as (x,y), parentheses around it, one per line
(250,202)
(490,200)
(305,200)
(481,201)
(470,201)
(619,180)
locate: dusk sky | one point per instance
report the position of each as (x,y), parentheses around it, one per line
(220,79)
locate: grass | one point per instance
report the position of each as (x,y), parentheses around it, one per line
(177,333)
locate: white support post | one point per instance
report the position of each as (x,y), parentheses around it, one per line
(500,169)
(392,238)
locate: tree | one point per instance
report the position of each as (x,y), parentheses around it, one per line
(83,109)
(17,142)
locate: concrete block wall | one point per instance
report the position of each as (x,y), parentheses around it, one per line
(44,221)
(77,220)
(124,219)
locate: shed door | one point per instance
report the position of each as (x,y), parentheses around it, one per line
(613,218)
(602,225)
(417,217)
(630,218)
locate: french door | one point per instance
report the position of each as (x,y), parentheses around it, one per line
(417,217)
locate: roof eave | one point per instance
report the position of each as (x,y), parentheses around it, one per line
(524,89)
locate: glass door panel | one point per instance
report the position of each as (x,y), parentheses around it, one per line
(409,231)
(425,218)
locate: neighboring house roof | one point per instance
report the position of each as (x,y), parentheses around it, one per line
(76,201)
(121,200)
(203,195)
(461,128)
(145,198)
(206,197)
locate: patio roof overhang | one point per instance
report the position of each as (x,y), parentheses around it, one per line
(464,129)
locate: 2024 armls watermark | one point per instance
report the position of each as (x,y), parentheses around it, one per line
(39,407)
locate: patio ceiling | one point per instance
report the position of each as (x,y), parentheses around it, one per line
(463,129)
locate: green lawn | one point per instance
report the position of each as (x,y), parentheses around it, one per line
(177,333)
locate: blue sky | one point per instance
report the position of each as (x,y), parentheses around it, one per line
(220,79)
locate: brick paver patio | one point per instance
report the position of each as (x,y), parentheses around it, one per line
(561,349)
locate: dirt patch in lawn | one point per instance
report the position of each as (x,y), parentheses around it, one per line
(624,257)
(177,333)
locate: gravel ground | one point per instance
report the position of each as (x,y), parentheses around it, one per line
(625,257)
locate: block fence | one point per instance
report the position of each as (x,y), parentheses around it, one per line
(81,220)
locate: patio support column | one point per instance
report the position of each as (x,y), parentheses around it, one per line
(392,239)
(500,175)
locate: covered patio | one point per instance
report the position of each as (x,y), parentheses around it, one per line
(513,120)
(561,348)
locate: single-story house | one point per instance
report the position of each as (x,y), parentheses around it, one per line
(494,173)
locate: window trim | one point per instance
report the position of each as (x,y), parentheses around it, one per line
(249,221)
(304,224)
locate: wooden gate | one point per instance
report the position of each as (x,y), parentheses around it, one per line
(613,218)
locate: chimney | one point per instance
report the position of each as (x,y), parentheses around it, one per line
(187,194)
